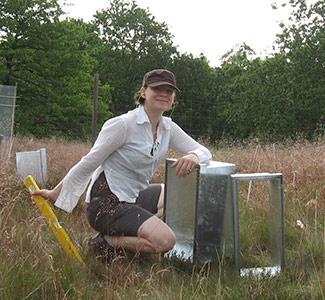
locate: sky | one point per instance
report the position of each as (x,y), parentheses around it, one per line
(210,27)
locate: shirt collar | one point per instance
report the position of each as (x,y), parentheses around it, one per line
(142,118)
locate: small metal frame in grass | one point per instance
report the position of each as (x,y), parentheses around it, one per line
(276,222)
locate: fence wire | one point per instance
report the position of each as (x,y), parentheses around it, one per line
(7,115)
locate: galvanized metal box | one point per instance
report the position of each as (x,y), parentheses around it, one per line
(32,163)
(198,209)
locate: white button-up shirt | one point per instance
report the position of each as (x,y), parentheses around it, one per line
(126,152)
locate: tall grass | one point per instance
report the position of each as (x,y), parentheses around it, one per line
(34,267)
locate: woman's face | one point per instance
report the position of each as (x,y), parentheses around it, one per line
(160,98)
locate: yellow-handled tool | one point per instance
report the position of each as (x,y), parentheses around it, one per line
(47,212)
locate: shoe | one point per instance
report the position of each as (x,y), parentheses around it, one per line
(101,248)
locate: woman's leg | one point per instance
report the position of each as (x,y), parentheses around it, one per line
(130,226)
(153,236)
(160,205)
(152,199)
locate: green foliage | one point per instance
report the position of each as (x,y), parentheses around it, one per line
(53,62)
(282,95)
(133,43)
(197,106)
(256,96)
(303,43)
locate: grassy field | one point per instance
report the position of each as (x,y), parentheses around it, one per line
(34,267)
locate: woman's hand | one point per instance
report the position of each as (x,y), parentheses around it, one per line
(185,165)
(49,195)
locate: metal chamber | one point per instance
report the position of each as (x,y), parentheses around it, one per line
(198,209)
(203,211)
(275,223)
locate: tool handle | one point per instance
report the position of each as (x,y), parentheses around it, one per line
(47,212)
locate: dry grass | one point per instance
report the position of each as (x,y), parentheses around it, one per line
(302,165)
(33,267)
(61,154)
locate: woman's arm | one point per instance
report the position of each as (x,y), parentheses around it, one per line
(195,152)
(66,194)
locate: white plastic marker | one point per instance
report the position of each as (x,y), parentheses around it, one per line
(47,212)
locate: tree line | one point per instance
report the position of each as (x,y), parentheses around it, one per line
(53,60)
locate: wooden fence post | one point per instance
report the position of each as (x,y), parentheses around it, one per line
(95,108)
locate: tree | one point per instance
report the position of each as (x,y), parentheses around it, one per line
(22,25)
(236,89)
(303,43)
(52,64)
(196,103)
(134,42)
(67,66)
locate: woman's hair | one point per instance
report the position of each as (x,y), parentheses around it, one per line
(138,99)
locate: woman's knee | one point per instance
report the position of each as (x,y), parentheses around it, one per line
(167,242)
(159,234)
(162,243)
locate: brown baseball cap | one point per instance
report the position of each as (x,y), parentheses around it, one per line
(160,77)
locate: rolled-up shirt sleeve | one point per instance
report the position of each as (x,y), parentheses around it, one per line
(111,137)
(182,142)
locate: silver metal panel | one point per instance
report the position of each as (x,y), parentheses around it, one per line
(257,272)
(276,222)
(195,208)
(180,209)
(7,114)
(256,176)
(32,163)
(214,202)
(7,109)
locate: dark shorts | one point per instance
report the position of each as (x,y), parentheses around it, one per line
(108,215)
